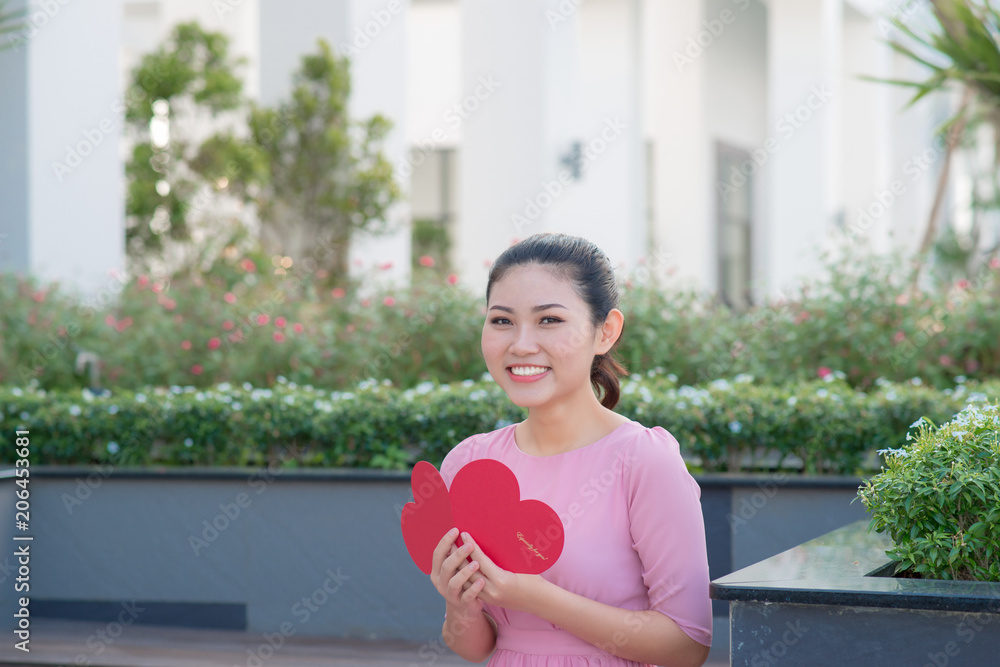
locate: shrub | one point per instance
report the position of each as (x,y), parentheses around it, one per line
(816,427)
(938,498)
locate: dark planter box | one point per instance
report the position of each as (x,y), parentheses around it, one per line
(828,602)
(316,550)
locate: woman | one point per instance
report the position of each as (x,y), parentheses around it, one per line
(631,584)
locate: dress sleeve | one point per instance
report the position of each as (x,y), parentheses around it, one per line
(668,533)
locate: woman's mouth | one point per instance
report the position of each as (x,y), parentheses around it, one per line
(527,373)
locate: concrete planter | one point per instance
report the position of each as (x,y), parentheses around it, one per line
(827,602)
(314,552)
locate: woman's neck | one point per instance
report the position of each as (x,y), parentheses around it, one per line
(557,429)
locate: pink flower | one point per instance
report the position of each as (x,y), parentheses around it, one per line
(322,273)
(389,301)
(452,278)
(263,319)
(143,281)
(899,337)
(280,322)
(38,297)
(230,297)
(971,366)
(945,360)
(157,286)
(995,263)
(227,325)
(962,284)
(278,336)
(167,302)
(337,292)
(185,344)
(902,300)
(823,371)
(365,303)
(110,320)
(214,343)
(426,260)
(802,317)
(235,337)
(385,266)
(123,324)
(197,369)
(248,265)
(349,328)
(298,328)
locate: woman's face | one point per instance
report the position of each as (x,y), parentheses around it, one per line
(538,340)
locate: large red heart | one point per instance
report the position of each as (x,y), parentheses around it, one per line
(485,501)
(518,535)
(429,517)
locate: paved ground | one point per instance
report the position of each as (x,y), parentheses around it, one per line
(73,643)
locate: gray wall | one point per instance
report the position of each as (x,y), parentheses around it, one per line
(318,551)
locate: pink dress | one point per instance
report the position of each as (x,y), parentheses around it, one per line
(634,537)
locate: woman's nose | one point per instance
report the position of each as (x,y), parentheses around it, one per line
(524,341)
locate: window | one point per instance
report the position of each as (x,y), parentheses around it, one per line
(734,210)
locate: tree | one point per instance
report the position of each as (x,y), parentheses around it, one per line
(323,174)
(962,50)
(176,92)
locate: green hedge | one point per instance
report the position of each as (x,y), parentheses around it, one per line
(816,427)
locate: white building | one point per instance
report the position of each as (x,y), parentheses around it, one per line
(725,140)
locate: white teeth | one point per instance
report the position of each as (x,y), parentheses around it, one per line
(528,370)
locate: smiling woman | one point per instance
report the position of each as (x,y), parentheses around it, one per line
(629,587)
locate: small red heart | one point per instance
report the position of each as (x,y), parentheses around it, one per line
(429,517)
(518,535)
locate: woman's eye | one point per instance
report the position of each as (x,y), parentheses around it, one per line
(554,319)
(499,320)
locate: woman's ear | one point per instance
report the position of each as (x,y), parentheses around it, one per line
(610,330)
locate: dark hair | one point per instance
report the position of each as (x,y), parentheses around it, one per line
(593,279)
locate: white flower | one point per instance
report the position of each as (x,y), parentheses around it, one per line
(959,379)
(822,393)
(681,405)
(112,409)
(486,377)
(188,442)
(917,423)
(672,377)
(792,400)
(502,423)
(17,391)
(916,382)
(290,400)
(237,406)
(140,398)
(282,379)
(224,386)
(113,447)
(247,386)
(743,378)
(735,426)
(468,383)
(25,416)
(87,394)
(424,387)
(902,453)
(721,384)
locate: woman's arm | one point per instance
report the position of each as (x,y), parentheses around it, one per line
(467,629)
(643,636)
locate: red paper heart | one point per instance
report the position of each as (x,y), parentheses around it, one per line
(429,517)
(518,535)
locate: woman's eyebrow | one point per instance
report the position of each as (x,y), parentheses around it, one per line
(534,310)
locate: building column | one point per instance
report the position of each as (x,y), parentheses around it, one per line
(802,181)
(683,183)
(61,172)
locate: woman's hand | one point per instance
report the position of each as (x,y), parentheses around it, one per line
(450,574)
(498,586)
